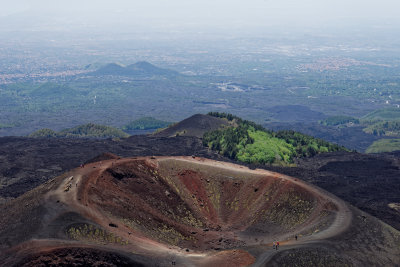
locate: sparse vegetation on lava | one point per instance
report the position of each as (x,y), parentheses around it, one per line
(248,142)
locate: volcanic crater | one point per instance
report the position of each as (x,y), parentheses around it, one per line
(202,204)
(173,210)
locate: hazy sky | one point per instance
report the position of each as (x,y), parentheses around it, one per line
(199,13)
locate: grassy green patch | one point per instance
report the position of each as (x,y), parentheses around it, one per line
(265,149)
(3,126)
(384,145)
(47,133)
(89,130)
(251,143)
(384,128)
(388,114)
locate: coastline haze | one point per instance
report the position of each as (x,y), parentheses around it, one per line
(207,15)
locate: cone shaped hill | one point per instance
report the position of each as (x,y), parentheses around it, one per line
(248,142)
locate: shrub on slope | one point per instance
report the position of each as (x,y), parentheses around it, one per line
(89,130)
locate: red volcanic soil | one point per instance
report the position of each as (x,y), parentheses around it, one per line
(174,210)
(202,204)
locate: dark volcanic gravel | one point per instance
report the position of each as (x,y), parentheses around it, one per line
(78,257)
(26,162)
(369,182)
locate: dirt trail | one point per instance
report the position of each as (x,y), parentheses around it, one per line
(343,218)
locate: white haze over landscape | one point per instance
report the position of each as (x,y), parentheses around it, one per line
(213,15)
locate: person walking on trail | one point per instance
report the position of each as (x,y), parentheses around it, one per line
(277,245)
(295,237)
(273,245)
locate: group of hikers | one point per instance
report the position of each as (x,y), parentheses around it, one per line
(275,244)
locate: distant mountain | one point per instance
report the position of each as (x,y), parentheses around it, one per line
(140,69)
(111,69)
